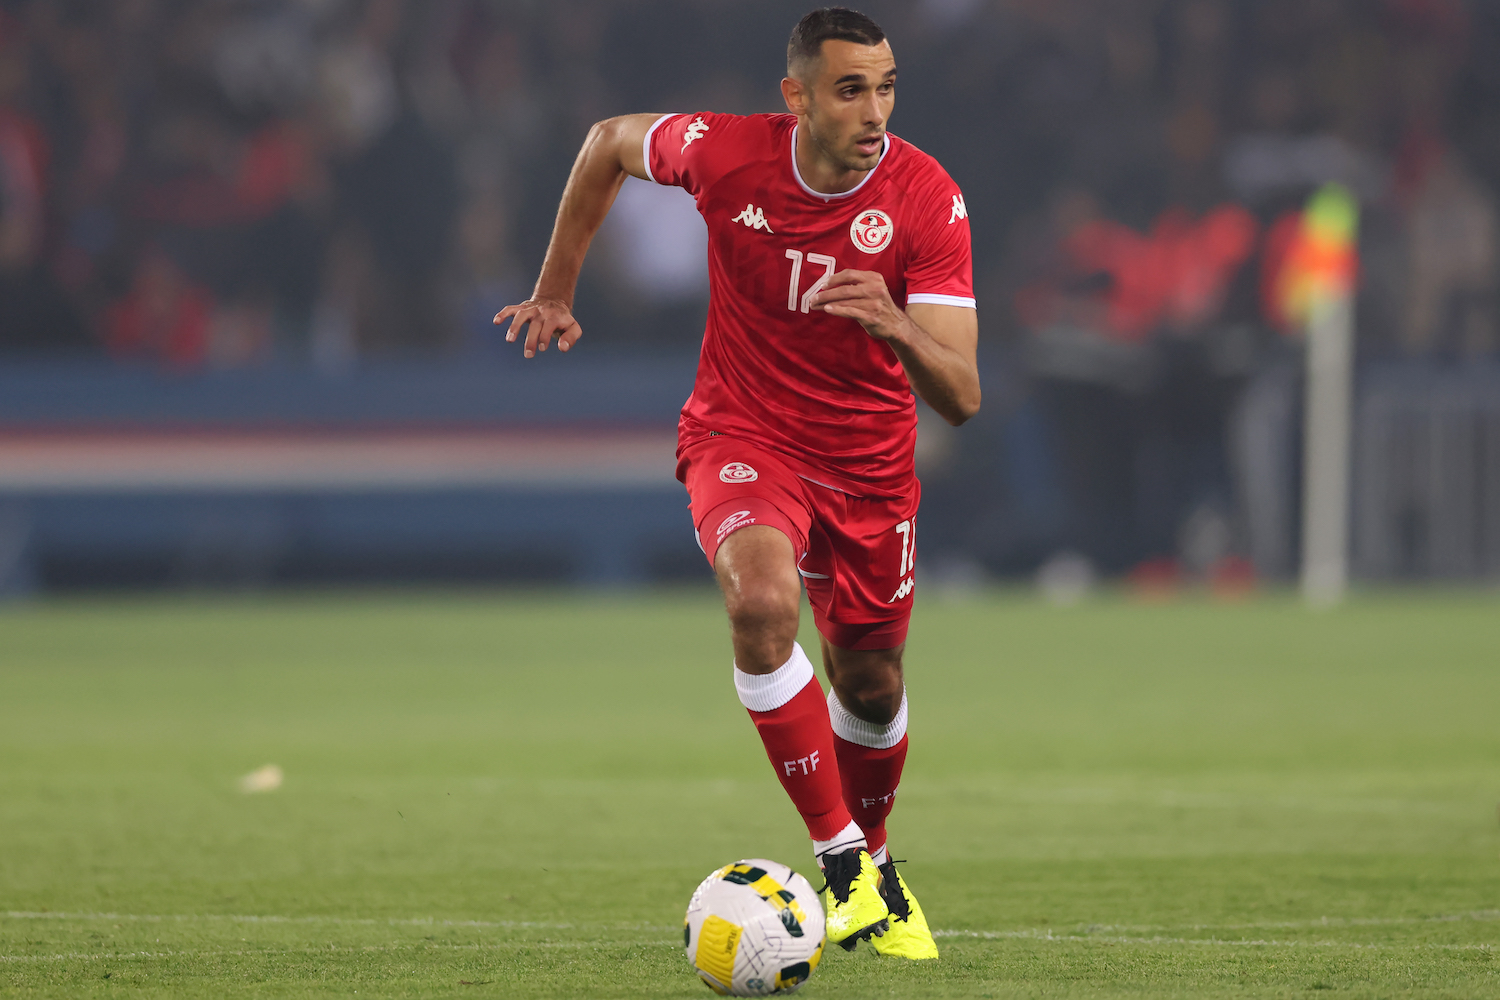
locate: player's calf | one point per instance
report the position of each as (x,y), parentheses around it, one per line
(791,716)
(871,758)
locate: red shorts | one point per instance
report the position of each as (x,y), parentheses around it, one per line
(857,555)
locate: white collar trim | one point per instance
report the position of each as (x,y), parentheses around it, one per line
(884,149)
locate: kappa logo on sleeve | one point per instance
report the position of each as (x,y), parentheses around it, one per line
(738,472)
(694,132)
(960,210)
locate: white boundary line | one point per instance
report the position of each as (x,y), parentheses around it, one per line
(1214,941)
(1477,916)
(249,918)
(118,956)
(1481,916)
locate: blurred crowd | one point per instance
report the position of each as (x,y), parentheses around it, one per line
(222,183)
(1157,157)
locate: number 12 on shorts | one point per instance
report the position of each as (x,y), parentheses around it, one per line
(908,532)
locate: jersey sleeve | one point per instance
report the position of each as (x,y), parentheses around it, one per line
(941,270)
(689,151)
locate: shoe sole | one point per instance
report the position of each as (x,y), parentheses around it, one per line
(864,934)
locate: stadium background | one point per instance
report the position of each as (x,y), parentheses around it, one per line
(249,252)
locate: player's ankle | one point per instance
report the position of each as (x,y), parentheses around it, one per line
(848,838)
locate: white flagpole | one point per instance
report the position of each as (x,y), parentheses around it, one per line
(1326,450)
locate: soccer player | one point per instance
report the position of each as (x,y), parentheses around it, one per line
(840,282)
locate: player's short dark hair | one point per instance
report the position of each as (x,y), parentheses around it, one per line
(825,24)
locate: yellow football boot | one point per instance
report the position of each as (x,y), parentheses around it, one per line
(852,898)
(908,936)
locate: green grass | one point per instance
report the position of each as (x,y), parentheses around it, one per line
(519,793)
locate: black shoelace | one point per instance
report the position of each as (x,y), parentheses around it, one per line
(890,889)
(839,872)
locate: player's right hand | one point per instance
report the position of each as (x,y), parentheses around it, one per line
(543,319)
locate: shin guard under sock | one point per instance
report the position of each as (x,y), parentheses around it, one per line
(870,760)
(789,712)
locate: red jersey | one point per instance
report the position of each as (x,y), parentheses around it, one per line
(773,371)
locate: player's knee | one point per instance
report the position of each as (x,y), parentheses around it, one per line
(877,704)
(762,607)
(763,622)
(873,691)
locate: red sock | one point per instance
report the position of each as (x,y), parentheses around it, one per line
(870,761)
(799,742)
(869,778)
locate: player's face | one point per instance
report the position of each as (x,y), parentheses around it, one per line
(848,102)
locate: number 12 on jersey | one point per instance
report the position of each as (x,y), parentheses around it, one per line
(796,257)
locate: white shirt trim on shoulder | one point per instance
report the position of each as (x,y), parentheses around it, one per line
(884,149)
(933,299)
(646,145)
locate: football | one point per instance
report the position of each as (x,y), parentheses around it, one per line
(754,928)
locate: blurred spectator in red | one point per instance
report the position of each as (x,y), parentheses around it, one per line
(23,158)
(231,180)
(1122,327)
(34,315)
(1176,277)
(163,318)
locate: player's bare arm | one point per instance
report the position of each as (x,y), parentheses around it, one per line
(936,344)
(612,150)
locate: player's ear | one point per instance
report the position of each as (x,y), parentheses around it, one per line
(795,95)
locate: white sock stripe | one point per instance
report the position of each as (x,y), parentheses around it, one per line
(846,726)
(768,692)
(850,836)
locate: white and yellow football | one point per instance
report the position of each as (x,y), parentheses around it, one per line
(754,928)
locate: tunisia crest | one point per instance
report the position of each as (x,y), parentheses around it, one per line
(871,230)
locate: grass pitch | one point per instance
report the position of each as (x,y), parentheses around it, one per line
(505,796)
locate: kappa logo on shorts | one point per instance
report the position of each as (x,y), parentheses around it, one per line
(738,472)
(738,519)
(871,230)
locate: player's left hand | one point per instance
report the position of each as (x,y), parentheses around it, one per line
(863,297)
